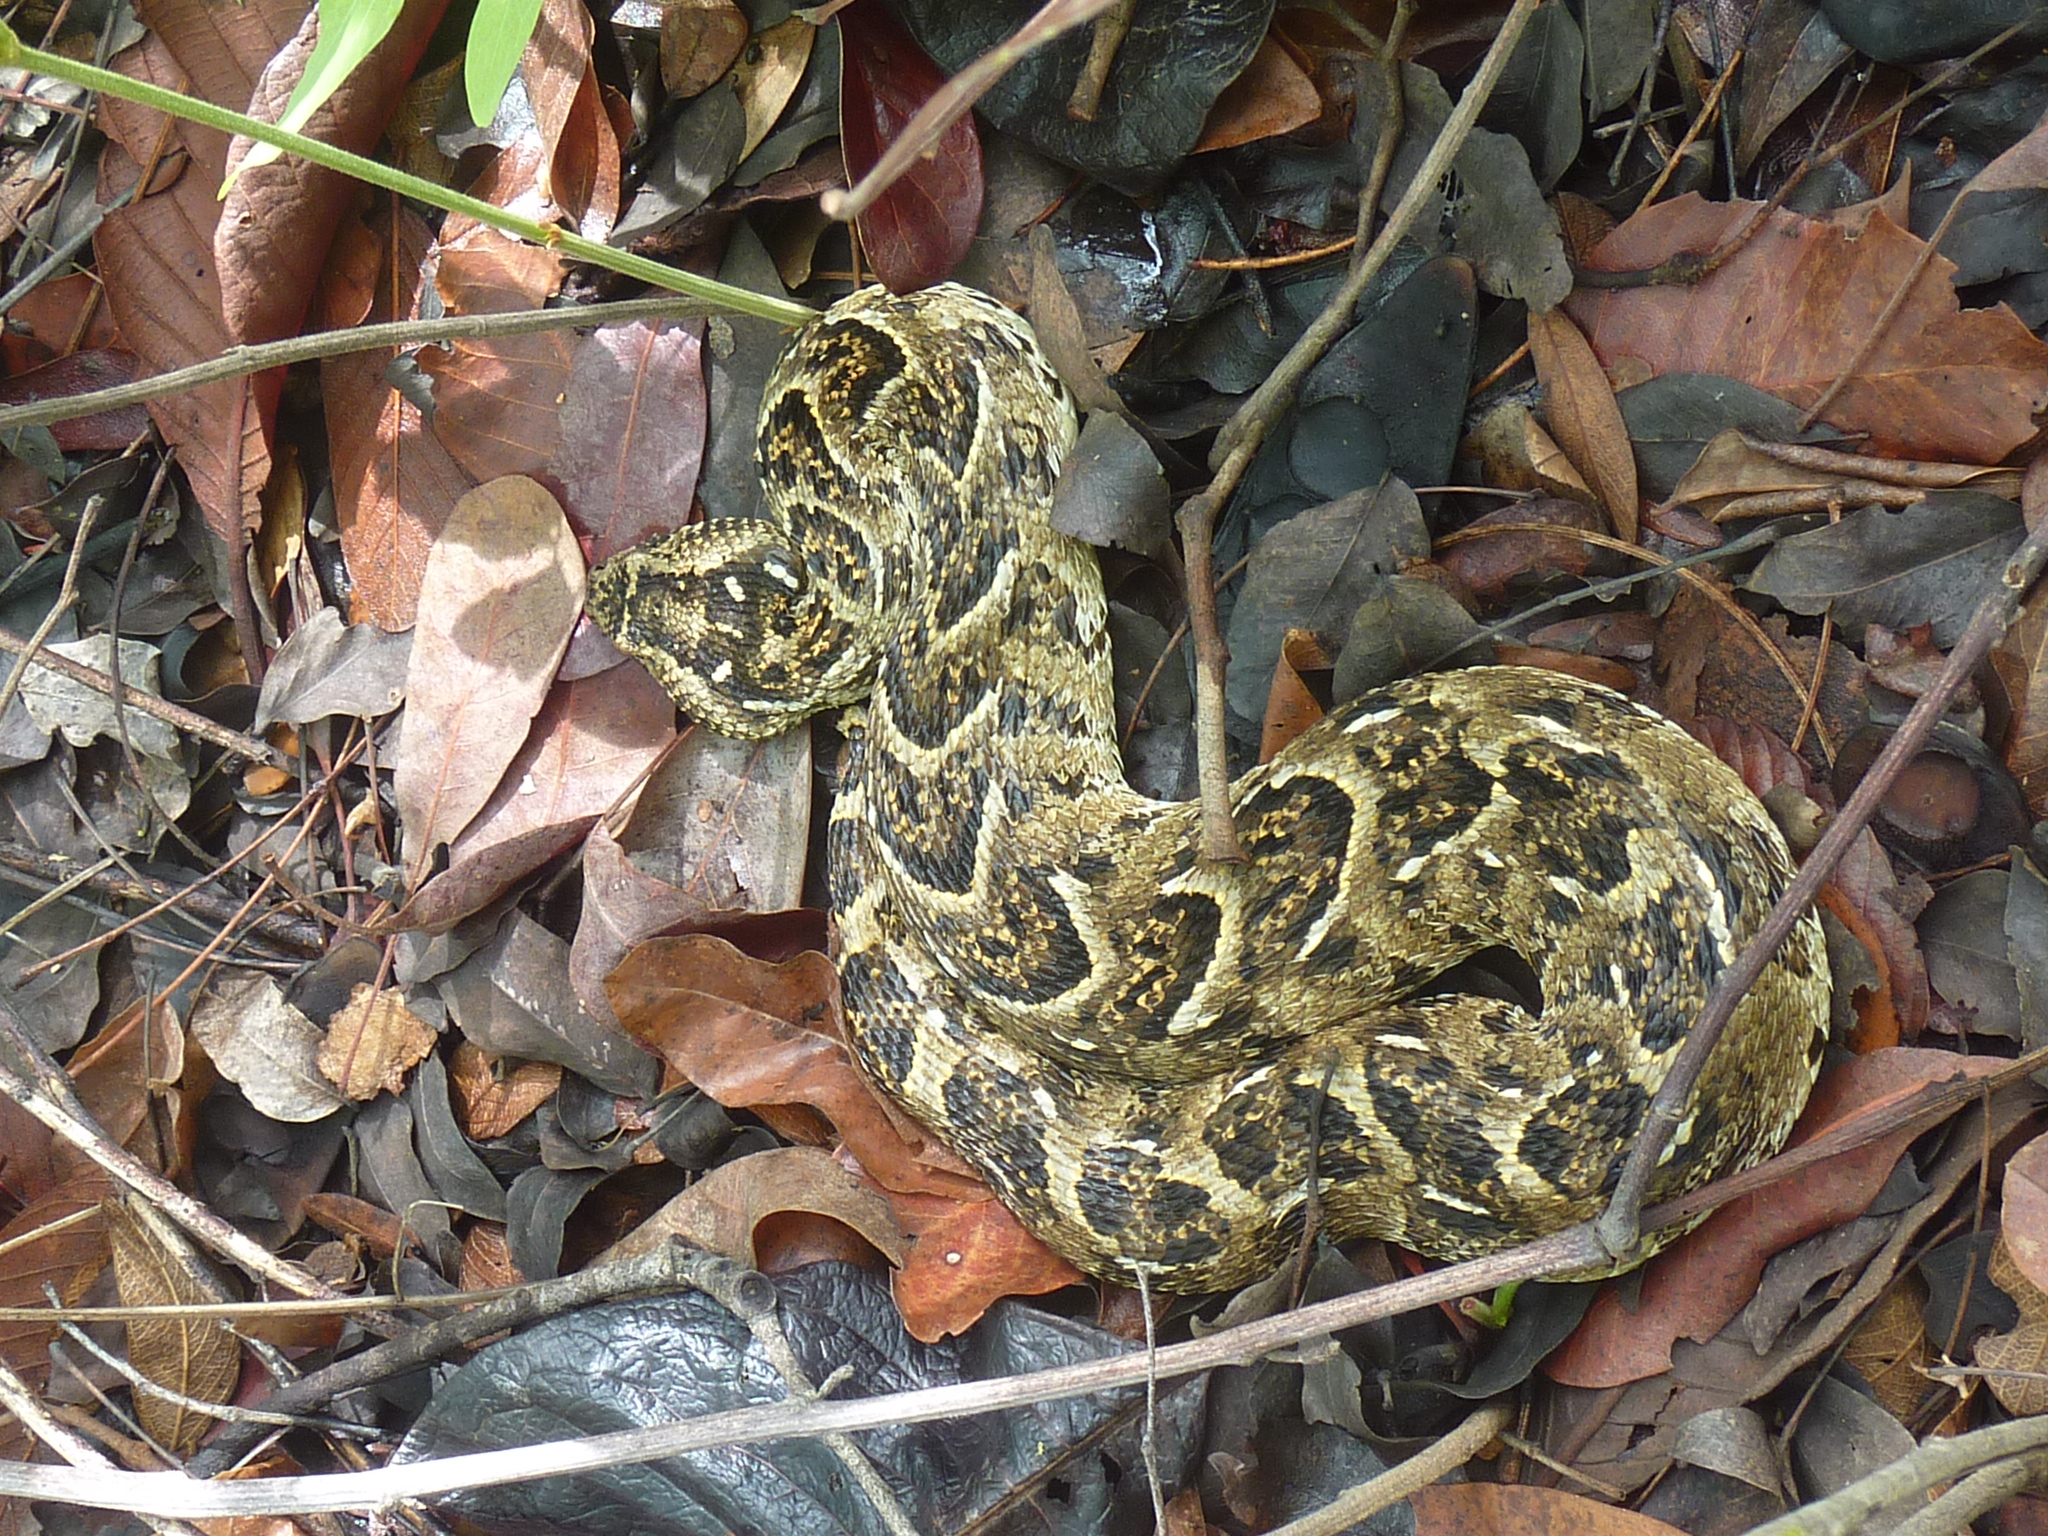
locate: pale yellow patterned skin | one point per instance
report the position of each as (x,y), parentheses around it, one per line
(1133,1045)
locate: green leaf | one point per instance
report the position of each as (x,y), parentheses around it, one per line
(349,29)
(497,37)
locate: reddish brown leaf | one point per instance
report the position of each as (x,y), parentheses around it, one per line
(498,401)
(100,368)
(1290,707)
(1693,1288)
(1578,403)
(156,255)
(921,227)
(576,132)
(762,1037)
(68,1257)
(1791,309)
(968,1256)
(1500,1509)
(632,426)
(503,588)
(1866,881)
(394,484)
(280,218)
(590,743)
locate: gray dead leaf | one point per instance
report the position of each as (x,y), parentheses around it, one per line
(1962,933)
(332,668)
(1926,564)
(1311,572)
(81,713)
(513,997)
(1731,1441)
(727,822)
(1111,491)
(1404,624)
(267,1048)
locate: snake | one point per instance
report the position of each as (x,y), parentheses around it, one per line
(1475,915)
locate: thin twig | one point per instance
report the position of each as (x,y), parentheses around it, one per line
(67,594)
(171,714)
(1619,1228)
(1709,109)
(237,362)
(952,100)
(1111,27)
(1355,1506)
(1394,126)
(1241,436)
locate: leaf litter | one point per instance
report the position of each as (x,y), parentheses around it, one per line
(578,999)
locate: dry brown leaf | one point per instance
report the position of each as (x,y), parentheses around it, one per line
(1792,308)
(1499,1509)
(1732,467)
(576,130)
(2024,1351)
(1578,403)
(699,41)
(492,1101)
(199,1359)
(1890,1348)
(767,75)
(721,1211)
(968,1256)
(394,483)
(497,400)
(766,1038)
(372,1041)
(279,219)
(1273,96)
(591,742)
(43,1246)
(502,591)
(1291,707)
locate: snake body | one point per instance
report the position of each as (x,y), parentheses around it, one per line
(1155,1060)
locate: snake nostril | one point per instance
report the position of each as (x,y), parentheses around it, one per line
(1497,972)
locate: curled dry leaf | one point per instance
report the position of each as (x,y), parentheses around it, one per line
(492,1098)
(1579,406)
(372,1041)
(721,1212)
(968,1256)
(766,1038)
(502,590)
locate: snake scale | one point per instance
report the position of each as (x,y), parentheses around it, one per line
(1152,1058)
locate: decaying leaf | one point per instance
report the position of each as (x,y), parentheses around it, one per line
(199,1359)
(372,1042)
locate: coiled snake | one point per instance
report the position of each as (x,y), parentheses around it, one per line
(1153,1059)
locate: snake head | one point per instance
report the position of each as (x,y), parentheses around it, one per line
(723,616)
